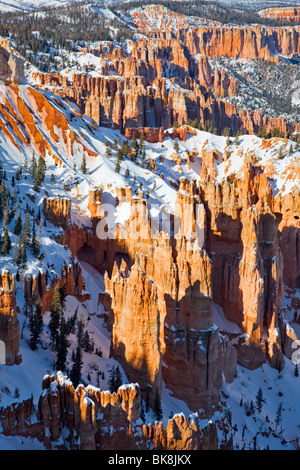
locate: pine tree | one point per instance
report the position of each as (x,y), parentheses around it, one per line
(280,154)
(23,249)
(278,419)
(112,380)
(33,167)
(115,379)
(119,155)
(134,144)
(80,333)
(83,165)
(61,347)
(18,224)
(176,146)
(119,379)
(6,211)
(6,243)
(296,371)
(157,406)
(40,173)
(75,373)
(143,157)
(19,256)
(108,152)
(236,140)
(117,167)
(55,315)
(26,230)
(259,400)
(87,344)
(35,326)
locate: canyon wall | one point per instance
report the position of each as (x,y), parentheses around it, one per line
(139,92)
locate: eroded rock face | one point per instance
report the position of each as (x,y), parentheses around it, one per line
(37,286)
(99,420)
(11,65)
(171,334)
(135,91)
(9,324)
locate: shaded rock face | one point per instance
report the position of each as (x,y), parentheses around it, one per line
(99,420)
(9,324)
(11,65)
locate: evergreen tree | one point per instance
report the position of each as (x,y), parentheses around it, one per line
(236,140)
(61,347)
(119,379)
(35,326)
(75,373)
(134,144)
(115,145)
(55,315)
(23,250)
(80,333)
(19,256)
(157,406)
(278,419)
(26,230)
(83,165)
(280,154)
(115,379)
(87,343)
(143,157)
(40,173)
(176,146)
(125,147)
(6,211)
(119,155)
(33,167)
(6,243)
(259,400)
(108,152)
(117,167)
(296,371)
(18,224)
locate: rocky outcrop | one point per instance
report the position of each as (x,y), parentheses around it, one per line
(286,14)
(99,420)
(57,210)
(39,286)
(11,64)
(9,324)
